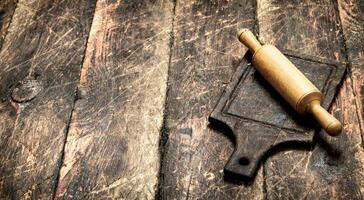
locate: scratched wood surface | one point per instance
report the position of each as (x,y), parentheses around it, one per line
(7,8)
(205,53)
(352,20)
(113,140)
(41,59)
(105,99)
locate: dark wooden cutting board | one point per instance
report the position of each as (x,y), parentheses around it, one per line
(259,117)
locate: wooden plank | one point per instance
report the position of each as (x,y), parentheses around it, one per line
(352,20)
(40,66)
(7,8)
(305,27)
(334,167)
(205,54)
(112,148)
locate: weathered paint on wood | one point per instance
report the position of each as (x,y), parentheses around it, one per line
(7,8)
(205,54)
(40,65)
(112,148)
(334,167)
(352,20)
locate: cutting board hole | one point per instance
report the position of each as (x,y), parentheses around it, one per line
(244,161)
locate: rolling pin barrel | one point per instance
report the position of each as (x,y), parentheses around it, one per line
(289,82)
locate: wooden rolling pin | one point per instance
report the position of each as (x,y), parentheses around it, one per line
(295,88)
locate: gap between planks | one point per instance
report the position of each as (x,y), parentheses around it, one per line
(163,139)
(75,94)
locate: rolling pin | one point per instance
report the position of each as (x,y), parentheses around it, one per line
(289,82)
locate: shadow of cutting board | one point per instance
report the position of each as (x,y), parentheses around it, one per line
(261,120)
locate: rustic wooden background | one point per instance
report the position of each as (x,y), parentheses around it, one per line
(108,99)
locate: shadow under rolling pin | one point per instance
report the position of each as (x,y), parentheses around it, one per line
(290,83)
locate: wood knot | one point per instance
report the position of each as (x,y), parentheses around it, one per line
(26,91)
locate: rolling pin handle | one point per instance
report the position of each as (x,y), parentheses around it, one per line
(248,39)
(331,125)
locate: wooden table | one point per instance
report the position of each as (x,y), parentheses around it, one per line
(109,99)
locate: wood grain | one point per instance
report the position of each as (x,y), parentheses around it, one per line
(305,27)
(97,136)
(112,145)
(334,167)
(205,54)
(352,20)
(7,8)
(39,69)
